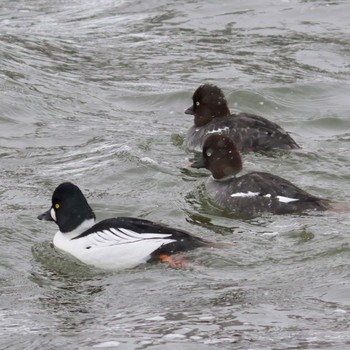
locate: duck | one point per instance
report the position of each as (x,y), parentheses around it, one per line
(253,193)
(251,133)
(115,243)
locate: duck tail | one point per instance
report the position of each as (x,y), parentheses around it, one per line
(218,245)
(339,207)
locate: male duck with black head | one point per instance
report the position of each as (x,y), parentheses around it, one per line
(251,133)
(253,193)
(115,243)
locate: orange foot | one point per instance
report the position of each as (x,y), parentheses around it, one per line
(175,261)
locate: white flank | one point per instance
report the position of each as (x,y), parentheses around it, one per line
(286,199)
(218,130)
(112,249)
(245,194)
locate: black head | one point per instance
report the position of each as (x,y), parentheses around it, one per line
(208,102)
(220,156)
(69,208)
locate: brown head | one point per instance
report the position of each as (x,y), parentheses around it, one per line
(209,102)
(220,156)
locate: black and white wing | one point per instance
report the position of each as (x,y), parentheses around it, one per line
(126,230)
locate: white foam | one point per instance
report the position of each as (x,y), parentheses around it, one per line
(173,336)
(207,318)
(340,311)
(196,337)
(148,160)
(270,234)
(107,344)
(156,318)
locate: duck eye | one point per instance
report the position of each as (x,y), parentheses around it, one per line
(209,152)
(197,103)
(57,206)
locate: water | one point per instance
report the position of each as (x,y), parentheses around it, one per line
(93,92)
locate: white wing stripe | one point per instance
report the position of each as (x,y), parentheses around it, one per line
(99,236)
(108,234)
(117,236)
(144,235)
(129,233)
(282,199)
(218,130)
(245,194)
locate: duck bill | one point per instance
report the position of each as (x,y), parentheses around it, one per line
(189,110)
(46,216)
(198,164)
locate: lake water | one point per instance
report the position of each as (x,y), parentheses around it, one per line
(93,92)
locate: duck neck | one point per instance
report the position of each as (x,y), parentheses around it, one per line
(223,179)
(85,225)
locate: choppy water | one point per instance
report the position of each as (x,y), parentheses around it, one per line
(93,92)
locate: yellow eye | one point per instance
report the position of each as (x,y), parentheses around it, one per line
(57,205)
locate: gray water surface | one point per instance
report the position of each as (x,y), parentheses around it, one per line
(93,92)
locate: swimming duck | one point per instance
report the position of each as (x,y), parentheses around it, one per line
(253,193)
(251,133)
(115,243)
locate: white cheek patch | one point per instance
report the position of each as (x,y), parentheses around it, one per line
(245,194)
(218,130)
(53,214)
(286,199)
